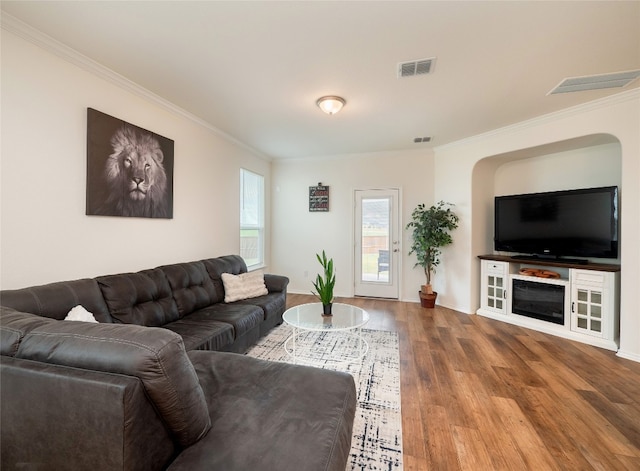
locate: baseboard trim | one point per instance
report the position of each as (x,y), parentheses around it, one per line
(629,356)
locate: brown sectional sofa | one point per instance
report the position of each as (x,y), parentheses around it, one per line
(157,383)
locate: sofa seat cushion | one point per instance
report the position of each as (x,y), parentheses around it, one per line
(142,298)
(55,300)
(202,334)
(242,317)
(272,304)
(154,355)
(268,415)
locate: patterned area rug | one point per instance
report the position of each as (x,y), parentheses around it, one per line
(377,430)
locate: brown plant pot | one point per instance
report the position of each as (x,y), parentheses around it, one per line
(428,299)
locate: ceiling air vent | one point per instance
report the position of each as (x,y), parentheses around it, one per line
(419,67)
(596,82)
(421,139)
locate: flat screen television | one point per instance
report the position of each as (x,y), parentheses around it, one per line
(571,223)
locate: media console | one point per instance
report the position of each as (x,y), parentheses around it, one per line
(581,305)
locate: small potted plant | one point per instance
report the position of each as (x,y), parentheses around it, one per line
(430,231)
(324,284)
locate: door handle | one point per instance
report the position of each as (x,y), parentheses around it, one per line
(395,250)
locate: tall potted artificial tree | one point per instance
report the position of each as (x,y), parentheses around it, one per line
(430,231)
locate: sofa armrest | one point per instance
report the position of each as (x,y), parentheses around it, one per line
(275,283)
(154,355)
(58,417)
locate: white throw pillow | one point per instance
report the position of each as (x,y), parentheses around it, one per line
(246,285)
(79,313)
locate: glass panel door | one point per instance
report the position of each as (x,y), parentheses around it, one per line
(377,243)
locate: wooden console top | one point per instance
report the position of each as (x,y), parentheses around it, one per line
(552,263)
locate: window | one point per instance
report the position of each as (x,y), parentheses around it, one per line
(251,218)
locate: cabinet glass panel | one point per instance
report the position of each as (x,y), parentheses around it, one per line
(589,315)
(495,290)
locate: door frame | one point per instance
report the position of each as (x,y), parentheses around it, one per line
(397,256)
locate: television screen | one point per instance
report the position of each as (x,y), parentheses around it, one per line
(580,223)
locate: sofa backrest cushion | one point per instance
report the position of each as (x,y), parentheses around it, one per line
(191,286)
(233,264)
(142,298)
(55,300)
(156,356)
(14,325)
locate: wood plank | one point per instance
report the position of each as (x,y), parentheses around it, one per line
(615,415)
(534,453)
(442,452)
(504,454)
(470,449)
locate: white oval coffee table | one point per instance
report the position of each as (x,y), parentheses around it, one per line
(346,320)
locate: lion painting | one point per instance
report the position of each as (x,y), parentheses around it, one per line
(135,176)
(129,169)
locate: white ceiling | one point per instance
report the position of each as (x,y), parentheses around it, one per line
(255,69)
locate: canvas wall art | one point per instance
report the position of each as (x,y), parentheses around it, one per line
(129,169)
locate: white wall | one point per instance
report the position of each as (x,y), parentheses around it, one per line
(45,234)
(465,175)
(299,234)
(594,166)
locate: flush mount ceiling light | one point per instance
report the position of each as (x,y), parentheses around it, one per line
(331,104)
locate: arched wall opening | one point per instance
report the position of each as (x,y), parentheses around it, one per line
(587,161)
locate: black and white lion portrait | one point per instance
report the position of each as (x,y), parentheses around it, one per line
(135,175)
(134,180)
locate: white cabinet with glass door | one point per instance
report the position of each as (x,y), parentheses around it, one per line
(493,287)
(593,303)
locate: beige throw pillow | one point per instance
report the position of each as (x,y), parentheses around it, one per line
(246,285)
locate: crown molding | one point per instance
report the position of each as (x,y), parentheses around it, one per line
(600,103)
(49,44)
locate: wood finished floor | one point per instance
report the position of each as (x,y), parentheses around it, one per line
(479,394)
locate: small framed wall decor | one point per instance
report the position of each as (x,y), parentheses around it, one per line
(129,169)
(318,198)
